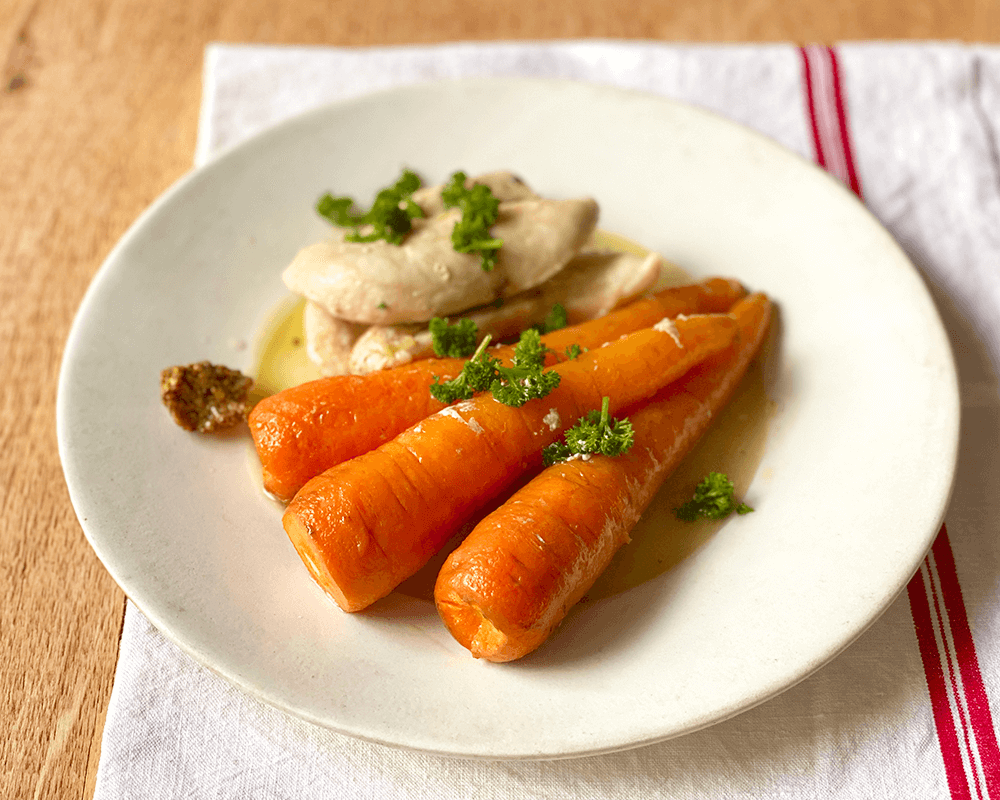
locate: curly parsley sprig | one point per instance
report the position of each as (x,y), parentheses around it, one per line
(573,351)
(555,319)
(456,340)
(596,433)
(525,379)
(480,210)
(390,216)
(714,498)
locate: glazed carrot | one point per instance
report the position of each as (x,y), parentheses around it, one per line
(503,591)
(367,524)
(712,296)
(305,430)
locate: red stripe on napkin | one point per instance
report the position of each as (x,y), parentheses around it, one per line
(811,106)
(959,703)
(963,651)
(934,673)
(828,114)
(843,130)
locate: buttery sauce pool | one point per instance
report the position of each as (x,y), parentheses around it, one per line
(734,444)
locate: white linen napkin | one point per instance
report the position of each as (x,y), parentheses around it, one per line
(908,710)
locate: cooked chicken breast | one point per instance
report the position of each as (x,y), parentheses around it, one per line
(592,284)
(329,341)
(381,283)
(505,186)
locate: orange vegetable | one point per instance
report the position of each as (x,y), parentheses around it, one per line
(511,582)
(367,524)
(309,428)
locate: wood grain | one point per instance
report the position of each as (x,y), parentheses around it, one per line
(98,114)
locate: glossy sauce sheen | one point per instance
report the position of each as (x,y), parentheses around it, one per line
(734,444)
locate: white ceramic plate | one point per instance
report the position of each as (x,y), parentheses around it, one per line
(852,488)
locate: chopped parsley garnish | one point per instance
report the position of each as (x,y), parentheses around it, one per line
(573,351)
(556,319)
(453,341)
(479,211)
(714,498)
(389,217)
(596,433)
(529,350)
(524,380)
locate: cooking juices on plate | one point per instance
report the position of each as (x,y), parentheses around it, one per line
(388,456)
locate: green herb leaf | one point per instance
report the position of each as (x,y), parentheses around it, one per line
(596,433)
(453,341)
(714,498)
(480,210)
(517,387)
(390,216)
(556,319)
(573,352)
(476,376)
(525,379)
(458,388)
(529,351)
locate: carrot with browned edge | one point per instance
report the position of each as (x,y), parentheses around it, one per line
(367,524)
(302,431)
(504,590)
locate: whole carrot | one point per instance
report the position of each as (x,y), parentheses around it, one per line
(365,525)
(302,431)
(503,591)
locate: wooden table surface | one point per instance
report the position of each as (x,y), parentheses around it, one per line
(99,106)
